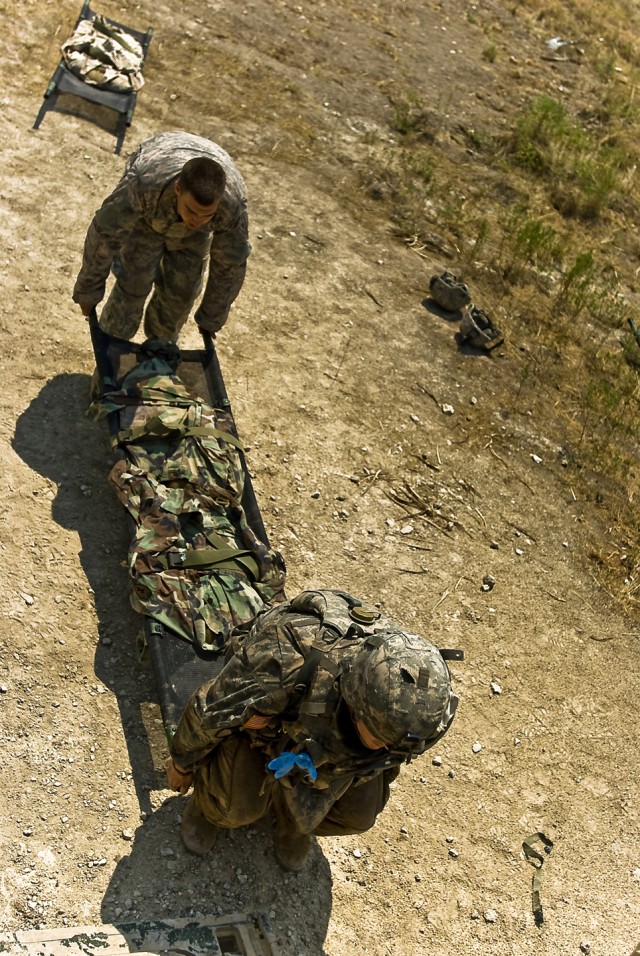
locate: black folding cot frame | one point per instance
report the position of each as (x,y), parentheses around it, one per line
(64,81)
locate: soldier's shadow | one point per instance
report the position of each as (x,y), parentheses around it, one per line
(240,875)
(56,439)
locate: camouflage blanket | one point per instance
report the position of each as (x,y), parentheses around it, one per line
(104,55)
(195,563)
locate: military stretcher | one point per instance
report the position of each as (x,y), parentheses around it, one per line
(181,664)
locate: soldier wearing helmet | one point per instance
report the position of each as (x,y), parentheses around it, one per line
(319,703)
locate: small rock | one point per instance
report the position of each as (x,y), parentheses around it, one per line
(475,914)
(477,747)
(408,529)
(519,551)
(585,948)
(490,916)
(451,773)
(357,854)
(437,761)
(453,853)
(448,409)
(488,582)
(495,545)
(495,687)
(537,459)
(127,834)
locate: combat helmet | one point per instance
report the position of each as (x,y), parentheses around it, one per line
(399,686)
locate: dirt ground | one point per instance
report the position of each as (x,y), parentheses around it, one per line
(340,375)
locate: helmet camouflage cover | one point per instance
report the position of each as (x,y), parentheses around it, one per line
(399,686)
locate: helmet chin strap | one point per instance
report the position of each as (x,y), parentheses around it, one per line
(412,742)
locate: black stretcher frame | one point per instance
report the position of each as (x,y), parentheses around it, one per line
(179,666)
(64,81)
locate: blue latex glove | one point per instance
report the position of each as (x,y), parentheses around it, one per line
(287,760)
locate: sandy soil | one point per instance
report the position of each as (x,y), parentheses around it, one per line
(338,373)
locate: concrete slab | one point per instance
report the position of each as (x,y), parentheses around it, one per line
(235,935)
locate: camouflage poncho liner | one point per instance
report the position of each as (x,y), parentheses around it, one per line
(195,564)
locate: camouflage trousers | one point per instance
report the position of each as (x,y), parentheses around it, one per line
(173,268)
(232,790)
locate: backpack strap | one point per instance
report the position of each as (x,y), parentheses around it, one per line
(304,679)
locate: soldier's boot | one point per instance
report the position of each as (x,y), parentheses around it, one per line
(198,834)
(292,847)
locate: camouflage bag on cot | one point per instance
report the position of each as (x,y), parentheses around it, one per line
(195,563)
(104,55)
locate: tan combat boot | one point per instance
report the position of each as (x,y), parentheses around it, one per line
(198,834)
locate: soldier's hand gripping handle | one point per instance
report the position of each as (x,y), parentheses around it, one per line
(177,779)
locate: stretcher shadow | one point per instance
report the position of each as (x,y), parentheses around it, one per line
(154,875)
(55,439)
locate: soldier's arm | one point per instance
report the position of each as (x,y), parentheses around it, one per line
(227,268)
(219,708)
(249,693)
(109,228)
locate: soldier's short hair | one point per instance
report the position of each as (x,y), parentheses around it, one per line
(204,179)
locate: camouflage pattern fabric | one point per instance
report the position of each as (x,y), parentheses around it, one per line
(263,666)
(195,564)
(138,233)
(104,55)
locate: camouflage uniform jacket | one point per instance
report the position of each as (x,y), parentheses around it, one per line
(146,194)
(259,678)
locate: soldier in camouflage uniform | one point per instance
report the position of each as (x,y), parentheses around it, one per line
(318,704)
(180,203)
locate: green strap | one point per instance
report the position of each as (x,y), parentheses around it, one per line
(245,558)
(537,859)
(157,428)
(219,559)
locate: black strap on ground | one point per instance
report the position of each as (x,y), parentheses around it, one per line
(537,859)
